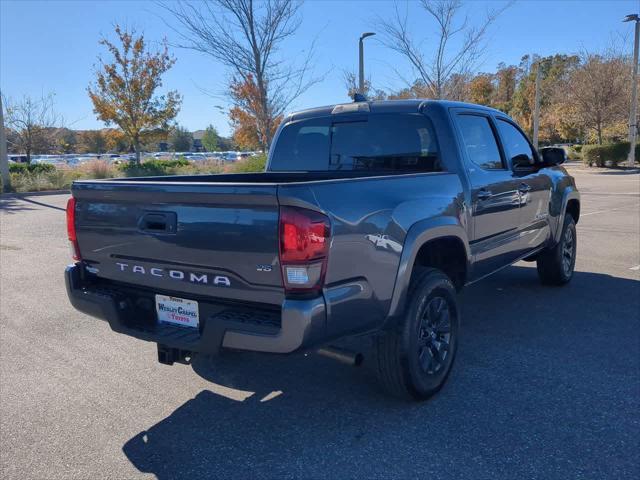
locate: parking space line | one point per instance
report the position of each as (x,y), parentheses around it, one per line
(602,211)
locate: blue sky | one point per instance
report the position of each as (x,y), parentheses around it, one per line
(52,47)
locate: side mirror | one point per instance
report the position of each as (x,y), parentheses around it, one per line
(522,162)
(552,156)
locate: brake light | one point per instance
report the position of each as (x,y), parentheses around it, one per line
(71,228)
(304,249)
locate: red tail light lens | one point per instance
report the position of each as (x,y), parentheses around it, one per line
(71,228)
(304,248)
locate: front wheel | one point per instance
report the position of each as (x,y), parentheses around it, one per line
(556,265)
(414,359)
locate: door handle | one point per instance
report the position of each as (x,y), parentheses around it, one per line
(524,188)
(484,194)
(158,222)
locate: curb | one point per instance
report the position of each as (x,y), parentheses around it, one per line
(34,194)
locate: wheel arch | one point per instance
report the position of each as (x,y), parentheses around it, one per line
(571,206)
(440,243)
(573,209)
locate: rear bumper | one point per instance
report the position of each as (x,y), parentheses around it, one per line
(300,324)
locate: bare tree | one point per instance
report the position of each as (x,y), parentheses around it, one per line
(598,91)
(456,49)
(351,84)
(33,122)
(246,37)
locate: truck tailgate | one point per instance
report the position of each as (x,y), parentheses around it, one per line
(215,240)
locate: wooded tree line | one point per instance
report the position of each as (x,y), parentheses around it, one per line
(584,97)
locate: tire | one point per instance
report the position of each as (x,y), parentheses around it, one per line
(556,265)
(415,358)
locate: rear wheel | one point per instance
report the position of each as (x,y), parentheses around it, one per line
(556,265)
(415,358)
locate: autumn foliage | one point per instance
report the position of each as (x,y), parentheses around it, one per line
(252,129)
(124,91)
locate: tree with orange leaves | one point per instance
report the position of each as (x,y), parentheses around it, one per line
(123,93)
(252,129)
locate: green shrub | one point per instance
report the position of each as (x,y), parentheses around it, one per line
(606,155)
(36,181)
(18,167)
(152,167)
(574,152)
(249,165)
(31,167)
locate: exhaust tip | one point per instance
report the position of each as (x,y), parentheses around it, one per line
(341,355)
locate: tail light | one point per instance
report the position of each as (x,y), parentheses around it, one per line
(71,228)
(304,249)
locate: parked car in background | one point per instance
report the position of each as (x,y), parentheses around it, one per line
(55,160)
(195,157)
(230,156)
(17,158)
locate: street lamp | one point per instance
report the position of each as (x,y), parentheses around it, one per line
(361,57)
(633,118)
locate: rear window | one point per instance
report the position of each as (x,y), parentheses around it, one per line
(385,142)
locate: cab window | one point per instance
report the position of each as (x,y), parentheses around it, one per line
(380,142)
(514,142)
(480,142)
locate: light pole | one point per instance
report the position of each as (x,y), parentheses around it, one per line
(361,59)
(633,117)
(4,161)
(536,107)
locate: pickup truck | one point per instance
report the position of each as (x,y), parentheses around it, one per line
(368,220)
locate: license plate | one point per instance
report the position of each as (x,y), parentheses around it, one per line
(177,311)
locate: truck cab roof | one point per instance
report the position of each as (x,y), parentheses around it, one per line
(385,106)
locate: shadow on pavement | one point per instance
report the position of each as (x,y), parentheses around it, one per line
(546,385)
(42,204)
(629,171)
(14,205)
(19,204)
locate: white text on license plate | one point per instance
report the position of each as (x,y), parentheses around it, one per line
(177,311)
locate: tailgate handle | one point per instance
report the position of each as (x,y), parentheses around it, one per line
(158,222)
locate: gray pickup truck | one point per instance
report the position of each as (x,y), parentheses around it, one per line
(369,218)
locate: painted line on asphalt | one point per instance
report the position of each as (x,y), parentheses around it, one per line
(601,211)
(611,194)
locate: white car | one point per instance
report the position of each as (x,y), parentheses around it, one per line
(195,157)
(384,242)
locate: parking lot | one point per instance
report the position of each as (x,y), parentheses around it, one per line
(546,384)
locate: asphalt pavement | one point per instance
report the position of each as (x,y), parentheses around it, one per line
(546,383)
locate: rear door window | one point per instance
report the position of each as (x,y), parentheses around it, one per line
(383,142)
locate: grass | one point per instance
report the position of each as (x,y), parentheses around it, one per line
(37,180)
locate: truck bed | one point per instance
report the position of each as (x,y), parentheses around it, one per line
(259,177)
(145,231)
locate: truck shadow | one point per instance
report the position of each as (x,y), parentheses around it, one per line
(13,205)
(306,416)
